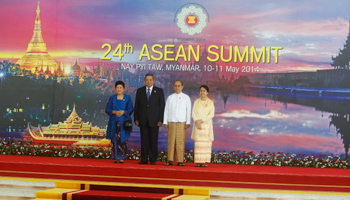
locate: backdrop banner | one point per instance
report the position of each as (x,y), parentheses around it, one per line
(278,71)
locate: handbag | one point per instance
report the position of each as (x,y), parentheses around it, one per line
(128,125)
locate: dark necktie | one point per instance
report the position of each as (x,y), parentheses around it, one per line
(148,94)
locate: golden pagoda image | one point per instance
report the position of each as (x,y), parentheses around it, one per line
(36,55)
(72,131)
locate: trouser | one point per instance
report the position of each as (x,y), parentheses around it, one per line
(149,143)
(176,141)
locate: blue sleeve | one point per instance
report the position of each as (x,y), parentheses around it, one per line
(109,107)
(129,108)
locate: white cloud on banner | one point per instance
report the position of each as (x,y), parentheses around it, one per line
(273,114)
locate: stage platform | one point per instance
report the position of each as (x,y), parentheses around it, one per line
(100,174)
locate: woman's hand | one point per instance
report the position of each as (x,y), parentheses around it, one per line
(118,112)
(198,124)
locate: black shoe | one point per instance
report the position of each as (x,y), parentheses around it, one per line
(168,163)
(116,161)
(153,163)
(143,163)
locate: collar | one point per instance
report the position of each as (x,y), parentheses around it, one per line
(151,88)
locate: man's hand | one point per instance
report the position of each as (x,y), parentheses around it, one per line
(187,126)
(166,126)
(137,123)
(159,124)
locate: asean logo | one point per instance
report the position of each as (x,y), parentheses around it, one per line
(191,18)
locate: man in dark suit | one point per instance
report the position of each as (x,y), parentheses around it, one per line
(148,115)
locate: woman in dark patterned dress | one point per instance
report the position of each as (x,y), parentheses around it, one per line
(119,108)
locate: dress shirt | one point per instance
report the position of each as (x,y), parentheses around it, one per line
(178,108)
(150,90)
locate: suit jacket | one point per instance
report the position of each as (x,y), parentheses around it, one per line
(151,111)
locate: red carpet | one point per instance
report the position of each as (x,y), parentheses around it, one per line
(110,195)
(216,175)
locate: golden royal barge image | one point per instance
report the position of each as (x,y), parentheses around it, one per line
(72,131)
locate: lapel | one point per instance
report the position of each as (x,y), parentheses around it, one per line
(144,94)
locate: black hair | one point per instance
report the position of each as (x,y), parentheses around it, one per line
(149,75)
(119,83)
(205,87)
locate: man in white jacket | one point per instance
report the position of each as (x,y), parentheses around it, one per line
(177,119)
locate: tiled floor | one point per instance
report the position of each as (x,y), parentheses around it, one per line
(21,190)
